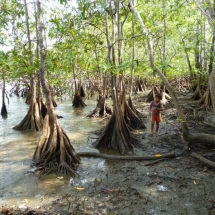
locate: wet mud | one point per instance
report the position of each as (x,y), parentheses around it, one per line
(173,186)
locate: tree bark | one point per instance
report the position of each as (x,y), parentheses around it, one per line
(132,59)
(192,138)
(3,109)
(54,152)
(145,32)
(33,120)
(116,135)
(212,88)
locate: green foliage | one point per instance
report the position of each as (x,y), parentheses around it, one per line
(76,39)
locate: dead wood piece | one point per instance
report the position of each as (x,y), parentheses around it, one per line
(154,162)
(203,160)
(128,158)
(200,138)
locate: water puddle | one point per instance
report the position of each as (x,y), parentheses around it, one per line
(18,183)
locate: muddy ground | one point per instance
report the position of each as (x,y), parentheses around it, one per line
(176,186)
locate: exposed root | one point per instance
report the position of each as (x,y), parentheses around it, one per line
(54,103)
(64,168)
(139,87)
(33,120)
(101,110)
(54,152)
(4,110)
(205,101)
(152,93)
(100,131)
(132,119)
(165,97)
(77,101)
(116,136)
(197,94)
(130,104)
(42,107)
(82,93)
(203,160)
(128,158)
(28,98)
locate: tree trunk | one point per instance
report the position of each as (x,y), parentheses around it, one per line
(3,109)
(102,109)
(77,101)
(212,88)
(130,116)
(54,152)
(198,92)
(28,97)
(116,135)
(181,116)
(192,138)
(205,101)
(132,59)
(33,120)
(30,94)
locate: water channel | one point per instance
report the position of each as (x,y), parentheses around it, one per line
(18,185)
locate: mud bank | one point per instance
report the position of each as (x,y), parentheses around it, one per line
(174,186)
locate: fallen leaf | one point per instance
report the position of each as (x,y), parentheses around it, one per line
(79,188)
(194,182)
(158,155)
(26,200)
(57,63)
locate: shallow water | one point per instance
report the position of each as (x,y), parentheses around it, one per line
(18,186)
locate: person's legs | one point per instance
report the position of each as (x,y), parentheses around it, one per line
(152,125)
(157,126)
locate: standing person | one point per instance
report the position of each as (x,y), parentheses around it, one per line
(155,107)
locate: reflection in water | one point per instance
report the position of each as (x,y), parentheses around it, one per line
(17,180)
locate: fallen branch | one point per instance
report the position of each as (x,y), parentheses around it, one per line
(129,158)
